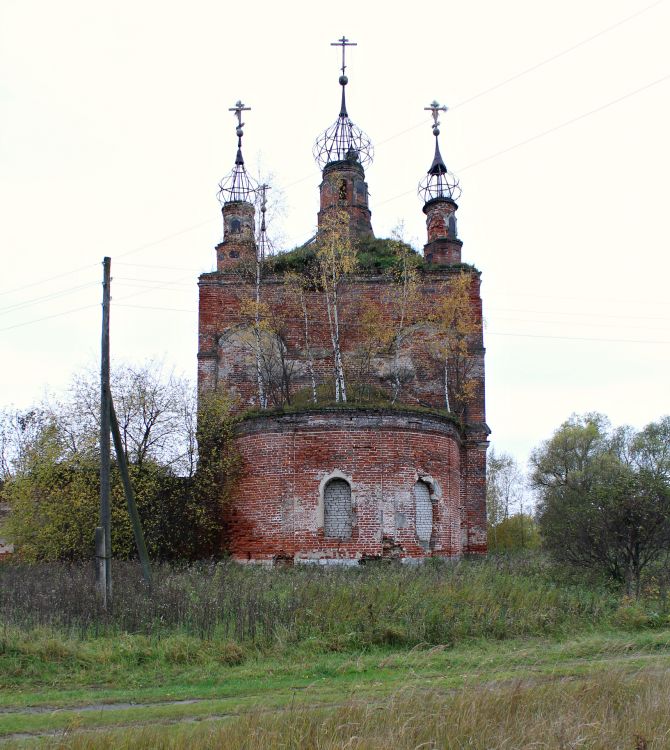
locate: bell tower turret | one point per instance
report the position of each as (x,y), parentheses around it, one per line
(342,151)
(439,190)
(237,192)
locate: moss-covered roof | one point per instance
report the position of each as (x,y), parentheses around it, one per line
(375,256)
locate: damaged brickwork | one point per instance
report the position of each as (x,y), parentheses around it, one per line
(399,476)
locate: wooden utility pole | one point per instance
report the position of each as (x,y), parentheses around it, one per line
(109,425)
(105,412)
(130,497)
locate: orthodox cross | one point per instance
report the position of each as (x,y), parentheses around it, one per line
(238,109)
(434,108)
(344,42)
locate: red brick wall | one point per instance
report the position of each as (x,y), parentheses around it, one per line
(344,189)
(275,507)
(225,361)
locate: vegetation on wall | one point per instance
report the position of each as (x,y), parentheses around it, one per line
(374,255)
(370,339)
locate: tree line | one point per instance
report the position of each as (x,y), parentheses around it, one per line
(602,499)
(178,452)
(595,497)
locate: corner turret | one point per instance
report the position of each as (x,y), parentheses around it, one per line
(439,190)
(237,192)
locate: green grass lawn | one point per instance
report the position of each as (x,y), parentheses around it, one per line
(347,659)
(80,693)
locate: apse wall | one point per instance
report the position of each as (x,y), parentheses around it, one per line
(346,485)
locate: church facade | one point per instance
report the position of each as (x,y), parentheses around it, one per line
(356,368)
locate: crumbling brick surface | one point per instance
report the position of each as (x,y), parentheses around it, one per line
(225,357)
(346,485)
(277,511)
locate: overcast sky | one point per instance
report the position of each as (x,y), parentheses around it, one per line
(115,131)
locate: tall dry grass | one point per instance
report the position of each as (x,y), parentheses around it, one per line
(603,712)
(343,609)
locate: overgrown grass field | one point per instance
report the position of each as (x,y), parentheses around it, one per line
(503,652)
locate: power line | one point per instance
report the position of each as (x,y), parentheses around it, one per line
(480,94)
(568,122)
(545,132)
(48,317)
(558,55)
(45,298)
(486,332)
(46,280)
(167,237)
(474,164)
(153,266)
(152,307)
(129,281)
(582,324)
(530,69)
(581,314)
(576,338)
(618,301)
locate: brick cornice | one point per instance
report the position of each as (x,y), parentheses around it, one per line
(351,419)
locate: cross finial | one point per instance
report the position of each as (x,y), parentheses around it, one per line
(434,108)
(238,109)
(263,238)
(344,43)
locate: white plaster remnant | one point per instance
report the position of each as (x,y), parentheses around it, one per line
(424,513)
(321,507)
(337,509)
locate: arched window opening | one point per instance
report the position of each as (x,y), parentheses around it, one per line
(236,226)
(337,509)
(343,190)
(423,513)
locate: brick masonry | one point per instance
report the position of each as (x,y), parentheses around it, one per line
(226,359)
(337,511)
(275,512)
(290,462)
(343,485)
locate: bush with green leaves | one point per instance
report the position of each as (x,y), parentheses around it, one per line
(604,496)
(51,466)
(513,534)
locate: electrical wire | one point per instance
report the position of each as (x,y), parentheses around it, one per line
(192,311)
(469,166)
(46,280)
(577,338)
(45,298)
(49,317)
(544,133)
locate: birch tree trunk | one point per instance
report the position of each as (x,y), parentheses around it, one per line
(262,395)
(336,259)
(446,383)
(339,367)
(308,348)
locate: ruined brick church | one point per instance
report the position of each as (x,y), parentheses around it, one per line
(360,386)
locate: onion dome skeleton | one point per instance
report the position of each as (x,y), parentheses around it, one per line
(343,141)
(238,186)
(439,182)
